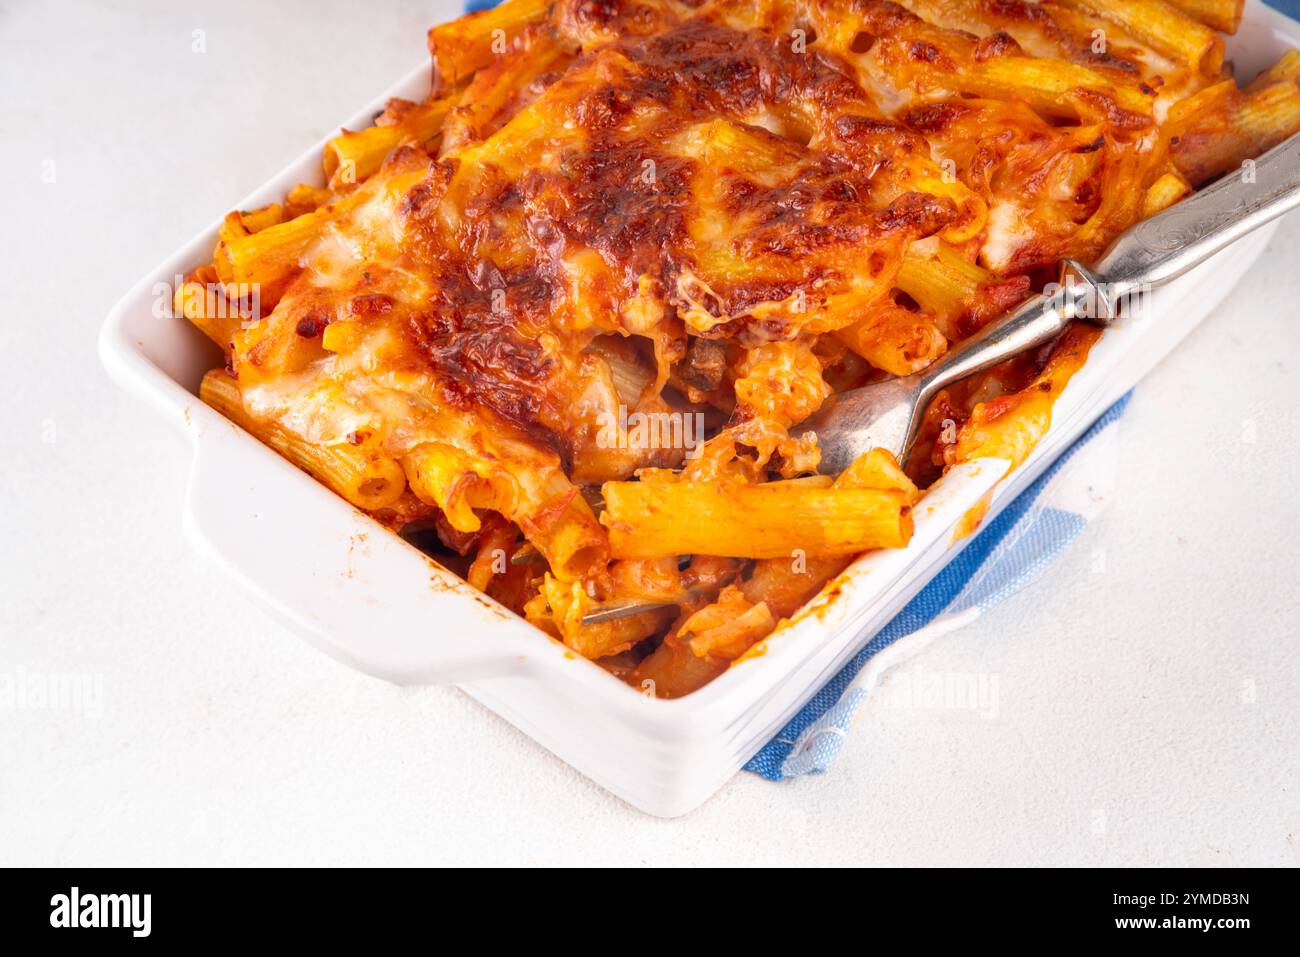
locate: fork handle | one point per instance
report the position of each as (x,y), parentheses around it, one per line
(1186,234)
(1150,254)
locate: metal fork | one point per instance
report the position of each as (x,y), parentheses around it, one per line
(888,414)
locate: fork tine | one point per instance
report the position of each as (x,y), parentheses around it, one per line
(624,610)
(526,555)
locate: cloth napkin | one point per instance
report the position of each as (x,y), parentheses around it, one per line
(1003,557)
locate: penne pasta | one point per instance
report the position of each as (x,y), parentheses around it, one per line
(896,340)
(1220,129)
(351,158)
(1051,87)
(202,301)
(269,258)
(486,103)
(649,519)
(728,627)
(463,46)
(366,478)
(1221,15)
(1286,69)
(1163,193)
(1163,26)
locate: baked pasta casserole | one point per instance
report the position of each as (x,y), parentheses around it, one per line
(557,323)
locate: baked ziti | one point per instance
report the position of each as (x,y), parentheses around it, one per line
(556,322)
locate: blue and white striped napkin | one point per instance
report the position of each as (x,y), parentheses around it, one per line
(1003,557)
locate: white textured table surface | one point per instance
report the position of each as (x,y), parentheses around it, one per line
(1147,685)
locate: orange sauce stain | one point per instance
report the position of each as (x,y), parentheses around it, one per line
(970,522)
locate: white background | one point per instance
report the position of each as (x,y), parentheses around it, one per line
(1148,686)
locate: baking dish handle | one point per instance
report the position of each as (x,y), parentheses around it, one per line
(366,598)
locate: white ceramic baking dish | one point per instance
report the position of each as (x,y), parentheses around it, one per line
(366,597)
